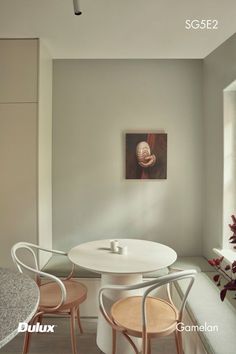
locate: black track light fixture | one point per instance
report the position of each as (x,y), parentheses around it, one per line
(77,8)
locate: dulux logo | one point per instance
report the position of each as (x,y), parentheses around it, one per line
(25,327)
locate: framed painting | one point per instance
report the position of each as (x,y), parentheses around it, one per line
(146,155)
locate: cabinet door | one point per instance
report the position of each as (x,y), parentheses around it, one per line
(18,70)
(18,177)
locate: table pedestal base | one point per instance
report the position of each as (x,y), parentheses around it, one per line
(104,331)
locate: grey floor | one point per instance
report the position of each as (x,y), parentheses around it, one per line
(59,342)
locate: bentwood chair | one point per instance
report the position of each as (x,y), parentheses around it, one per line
(57,296)
(146,316)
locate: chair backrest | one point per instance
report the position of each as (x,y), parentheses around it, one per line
(35,269)
(150,285)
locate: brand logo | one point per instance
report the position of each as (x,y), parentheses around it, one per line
(25,327)
(180,327)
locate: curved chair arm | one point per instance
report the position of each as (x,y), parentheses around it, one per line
(36,271)
(172,270)
(117,287)
(70,275)
(61,253)
(103,310)
(29,247)
(185,274)
(150,285)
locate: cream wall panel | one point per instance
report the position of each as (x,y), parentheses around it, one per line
(18,70)
(18,177)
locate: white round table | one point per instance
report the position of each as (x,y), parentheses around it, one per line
(142,257)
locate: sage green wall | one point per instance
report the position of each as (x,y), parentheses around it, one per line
(94,103)
(219,72)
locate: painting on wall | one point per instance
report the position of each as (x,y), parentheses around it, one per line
(146,156)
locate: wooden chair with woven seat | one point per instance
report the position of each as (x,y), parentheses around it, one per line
(57,296)
(146,316)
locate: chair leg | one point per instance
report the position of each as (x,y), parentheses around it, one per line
(79,322)
(72,330)
(145,344)
(26,343)
(113,341)
(178,341)
(149,346)
(40,319)
(28,335)
(131,342)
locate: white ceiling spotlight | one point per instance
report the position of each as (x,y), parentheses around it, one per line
(77,8)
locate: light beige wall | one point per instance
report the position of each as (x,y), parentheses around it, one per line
(18,70)
(219,72)
(18,144)
(25,145)
(94,103)
(45,152)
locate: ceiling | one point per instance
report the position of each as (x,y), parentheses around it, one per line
(119,28)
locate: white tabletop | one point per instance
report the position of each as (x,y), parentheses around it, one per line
(143,256)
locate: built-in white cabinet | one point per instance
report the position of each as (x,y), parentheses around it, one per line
(25,145)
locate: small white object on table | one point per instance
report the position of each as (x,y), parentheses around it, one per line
(114,245)
(116,269)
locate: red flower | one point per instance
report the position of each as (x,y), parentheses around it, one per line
(222,294)
(234,267)
(211,262)
(216,277)
(215,261)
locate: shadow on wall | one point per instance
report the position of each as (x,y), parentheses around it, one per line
(130,209)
